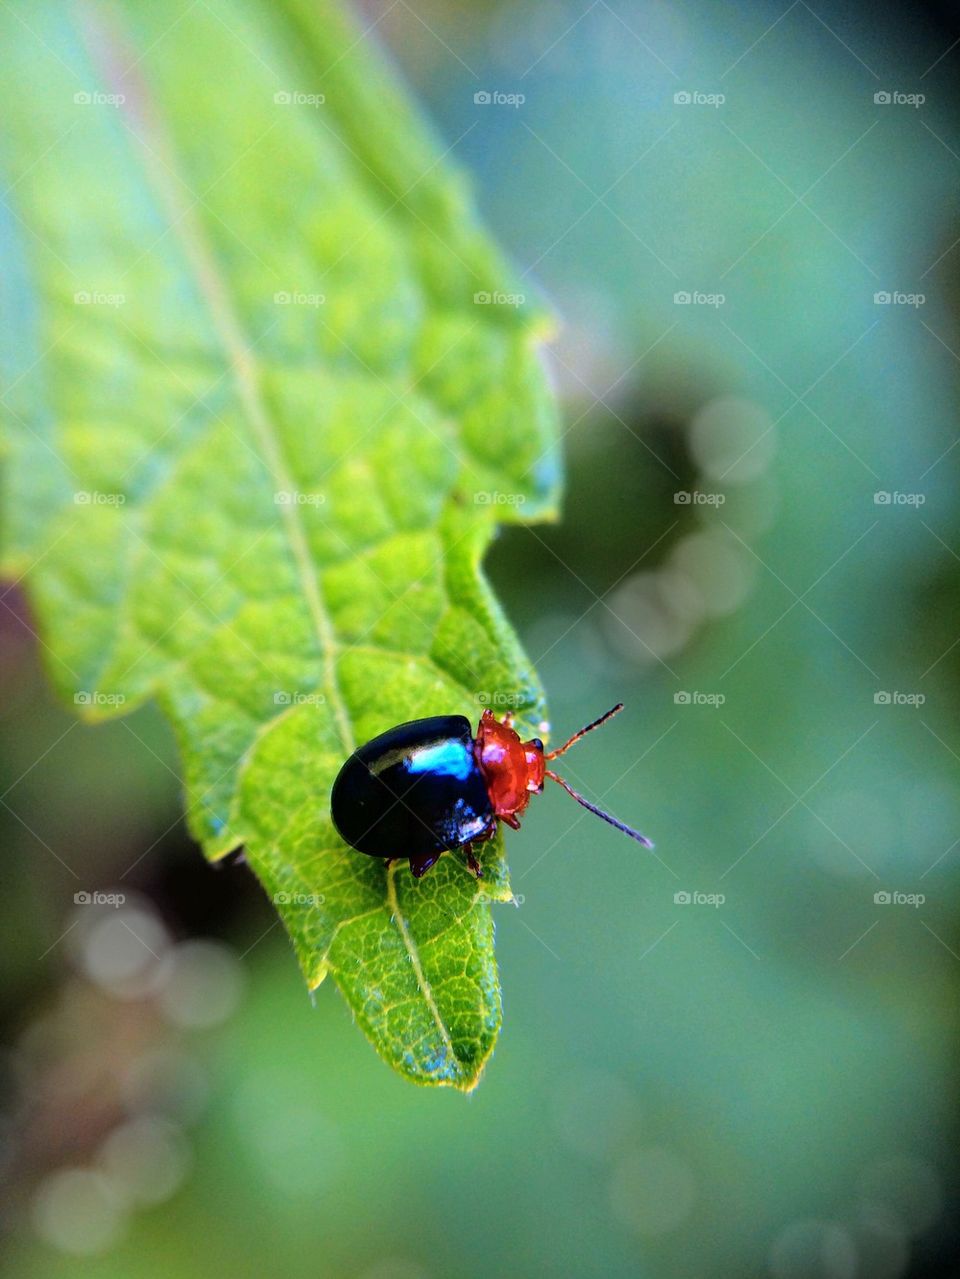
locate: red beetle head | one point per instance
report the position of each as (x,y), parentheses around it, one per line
(514,769)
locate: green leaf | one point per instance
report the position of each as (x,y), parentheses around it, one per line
(264,510)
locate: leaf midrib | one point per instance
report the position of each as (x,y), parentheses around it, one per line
(241,362)
(411,946)
(159,162)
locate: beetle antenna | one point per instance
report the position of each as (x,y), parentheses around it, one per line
(627,830)
(614,710)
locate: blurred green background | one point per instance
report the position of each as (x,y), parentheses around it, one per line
(735,1056)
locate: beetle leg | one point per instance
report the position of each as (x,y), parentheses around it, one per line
(420,865)
(508,719)
(512,820)
(472,862)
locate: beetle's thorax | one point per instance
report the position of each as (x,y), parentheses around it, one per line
(511,768)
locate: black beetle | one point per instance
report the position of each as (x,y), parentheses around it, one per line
(429,785)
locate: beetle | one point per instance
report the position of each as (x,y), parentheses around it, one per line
(429,786)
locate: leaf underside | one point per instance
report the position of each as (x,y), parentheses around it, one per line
(264,509)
